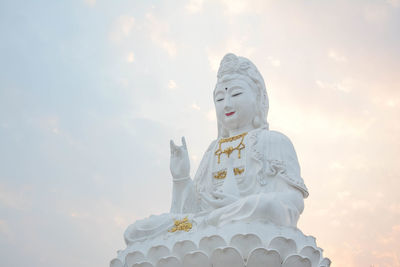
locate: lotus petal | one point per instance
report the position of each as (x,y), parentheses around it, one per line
(157,252)
(325,262)
(134,257)
(196,259)
(284,246)
(261,257)
(227,256)
(246,243)
(143,264)
(182,248)
(169,262)
(116,263)
(312,254)
(296,261)
(209,243)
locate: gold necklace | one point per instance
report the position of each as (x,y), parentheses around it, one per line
(228,151)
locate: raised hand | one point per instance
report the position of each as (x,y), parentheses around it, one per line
(179,162)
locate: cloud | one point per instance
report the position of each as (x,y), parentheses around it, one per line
(388,241)
(211,115)
(194,6)
(171,84)
(392,103)
(343,86)
(195,106)
(121,222)
(343,195)
(394,3)
(335,223)
(14,199)
(49,123)
(122,28)
(394,208)
(376,13)
(159,32)
(362,205)
(237,46)
(194,158)
(336,57)
(213,60)
(274,61)
(91,3)
(5,229)
(130,58)
(234,7)
(336,166)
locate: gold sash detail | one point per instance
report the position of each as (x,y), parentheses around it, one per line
(222,174)
(238,171)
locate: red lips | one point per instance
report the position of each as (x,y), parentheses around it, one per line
(230,113)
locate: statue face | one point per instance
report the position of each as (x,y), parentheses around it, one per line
(235,105)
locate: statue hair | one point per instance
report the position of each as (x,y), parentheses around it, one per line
(233,67)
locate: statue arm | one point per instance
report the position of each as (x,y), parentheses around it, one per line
(284,169)
(183,196)
(283,163)
(183,193)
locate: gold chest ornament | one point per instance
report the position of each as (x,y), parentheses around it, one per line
(228,151)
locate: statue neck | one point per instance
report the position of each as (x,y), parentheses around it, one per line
(241,130)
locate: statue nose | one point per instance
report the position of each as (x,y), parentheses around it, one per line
(227,104)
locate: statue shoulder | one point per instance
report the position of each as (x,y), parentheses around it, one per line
(277,145)
(212,145)
(200,177)
(275,137)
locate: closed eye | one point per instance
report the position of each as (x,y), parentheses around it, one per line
(237,94)
(219,100)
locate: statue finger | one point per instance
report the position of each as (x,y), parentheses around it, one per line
(205,198)
(172,146)
(184,142)
(209,200)
(216,203)
(218,194)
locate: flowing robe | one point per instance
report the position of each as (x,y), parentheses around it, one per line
(270,188)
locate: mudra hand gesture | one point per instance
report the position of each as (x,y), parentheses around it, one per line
(179,163)
(218,199)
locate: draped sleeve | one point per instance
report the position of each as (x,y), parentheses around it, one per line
(281,161)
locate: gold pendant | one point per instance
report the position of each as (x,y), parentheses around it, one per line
(228,151)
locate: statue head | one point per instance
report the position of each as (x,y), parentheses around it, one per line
(240,96)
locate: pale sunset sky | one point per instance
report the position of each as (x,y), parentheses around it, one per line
(91,92)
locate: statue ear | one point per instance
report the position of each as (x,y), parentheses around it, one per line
(257,122)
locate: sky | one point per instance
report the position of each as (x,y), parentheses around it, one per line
(91,92)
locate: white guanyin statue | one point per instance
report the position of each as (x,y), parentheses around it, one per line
(242,207)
